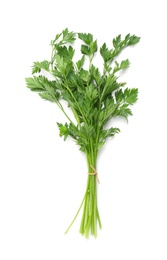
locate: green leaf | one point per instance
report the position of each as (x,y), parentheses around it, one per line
(42,84)
(124,64)
(104,134)
(131,95)
(80,62)
(68,69)
(111,78)
(128,96)
(124,111)
(105,53)
(55,39)
(47,96)
(93,47)
(66,53)
(63,130)
(127,37)
(107,112)
(119,95)
(59,61)
(109,132)
(61,64)
(34,84)
(91,92)
(86,37)
(117,41)
(133,40)
(119,44)
(37,66)
(68,37)
(95,74)
(107,67)
(85,50)
(65,32)
(84,74)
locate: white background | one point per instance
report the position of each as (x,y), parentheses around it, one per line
(42,178)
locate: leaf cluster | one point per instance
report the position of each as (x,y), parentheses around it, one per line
(94,97)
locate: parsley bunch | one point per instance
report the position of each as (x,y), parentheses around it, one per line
(94,97)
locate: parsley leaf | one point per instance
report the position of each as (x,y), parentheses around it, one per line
(86,37)
(80,62)
(37,66)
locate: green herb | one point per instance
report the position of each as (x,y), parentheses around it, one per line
(94,97)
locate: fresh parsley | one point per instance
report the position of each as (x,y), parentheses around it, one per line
(94,97)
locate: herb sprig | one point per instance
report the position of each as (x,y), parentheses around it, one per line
(94,98)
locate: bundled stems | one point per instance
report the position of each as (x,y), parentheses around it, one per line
(90,215)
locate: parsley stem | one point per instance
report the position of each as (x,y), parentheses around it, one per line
(62,109)
(75,215)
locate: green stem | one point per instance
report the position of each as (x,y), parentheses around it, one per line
(75,215)
(62,109)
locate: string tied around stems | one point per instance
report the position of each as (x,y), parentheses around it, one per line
(94,173)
